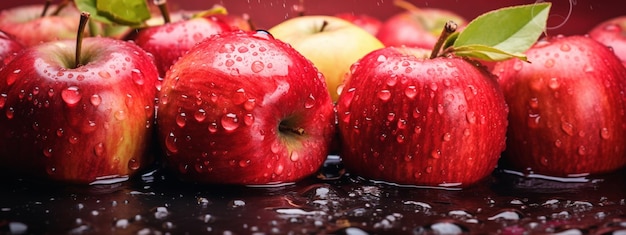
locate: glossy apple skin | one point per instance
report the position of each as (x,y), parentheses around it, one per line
(332,50)
(415,121)
(566,108)
(416,28)
(77,125)
(366,22)
(29,28)
(613,34)
(169,41)
(221,106)
(9,47)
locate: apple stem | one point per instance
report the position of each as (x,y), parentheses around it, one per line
(162,4)
(250,22)
(295,130)
(324,24)
(84,17)
(406,5)
(299,8)
(46,6)
(448,29)
(60,7)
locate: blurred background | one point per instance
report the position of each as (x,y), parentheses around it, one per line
(567,16)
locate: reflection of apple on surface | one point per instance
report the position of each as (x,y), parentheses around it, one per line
(29,28)
(566,108)
(77,120)
(244,108)
(332,44)
(613,34)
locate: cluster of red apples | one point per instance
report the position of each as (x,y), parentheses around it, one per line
(407,101)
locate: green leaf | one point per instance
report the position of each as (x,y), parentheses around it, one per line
(503,33)
(126,12)
(486,53)
(90,6)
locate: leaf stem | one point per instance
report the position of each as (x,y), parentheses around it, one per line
(162,4)
(448,29)
(84,18)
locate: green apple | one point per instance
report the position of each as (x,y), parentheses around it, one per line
(331,43)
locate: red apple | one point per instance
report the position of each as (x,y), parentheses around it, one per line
(331,43)
(416,27)
(366,22)
(244,108)
(566,108)
(77,119)
(412,120)
(613,34)
(169,41)
(29,28)
(9,47)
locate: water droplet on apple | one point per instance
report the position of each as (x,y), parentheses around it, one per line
(212,127)
(71,95)
(248,119)
(133,164)
(467,132)
(384,95)
(183,168)
(309,102)
(470,117)
(11,78)
(242,49)
(549,63)
(565,47)
(447,137)
(120,115)
(230,122)
(275,147)
(10,113)
(200,115)
(391,116)
(3,100)
(234,72)
(95,100)
(229,63)
(418,130)
(348,97)
(47,152)
(416,113)
(249,104)
(257,66)
(51,170)
(170,143)
(279,169)
(294,156)
(227,48)
(181,120)
(346,117)
(263,34)
(244,163)
(533,120)
(137,76)
(568,128)
(381,58)
(553,83)
(604,133)
(400,139)
(410,92)
(533,103)
(582,150)
(392,80)
(436,154)
(588,68)
(98,150)
(104,74)
(401,124)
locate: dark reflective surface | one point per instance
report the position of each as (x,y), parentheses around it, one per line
(156,203)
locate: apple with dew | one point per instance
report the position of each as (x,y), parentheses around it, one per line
(169,41)
(9,47)
(331,43)
(613,34)
(368,23)
(566,108)
(244,108)
(29,27)
(413,116)
(416,27)
(77,111)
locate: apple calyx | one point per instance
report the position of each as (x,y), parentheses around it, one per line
(485,39)
(448,29)
(285,128)
(84,18)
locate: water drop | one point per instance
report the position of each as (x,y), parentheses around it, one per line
(582,150)
(410,92)
(244,163)
(98,150)
(436,154)
(229,63)
(294,156)
(391,116)
(310,102)
(381,58)
(249,104)
(181,120)
(10,113)
(553,83)
(392,80)
(257,66)
(170,143)
(565,47)
(47,152)
(230,122)
(401,123)
(104,74)
(549,63)
(348,96)
(71,95)
(137,76)
(447,137)
(248,119)
(471,117)
(3,100)
(200,115)
(400,139)
(212,127)
(568,128)
(604,133)
(242,49)
(384,95)
(533,103)
(120,115)
(533,120)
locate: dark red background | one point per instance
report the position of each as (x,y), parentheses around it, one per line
(266,13)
